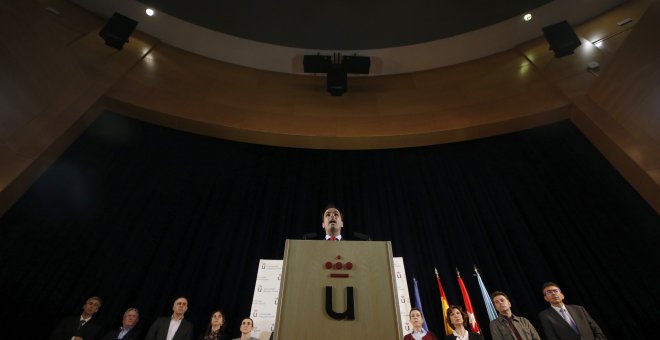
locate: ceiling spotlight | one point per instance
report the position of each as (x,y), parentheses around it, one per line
(150,12)
(527,17)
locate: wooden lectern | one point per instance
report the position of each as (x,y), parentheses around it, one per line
(337,290)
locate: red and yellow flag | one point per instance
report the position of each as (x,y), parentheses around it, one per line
(445,304)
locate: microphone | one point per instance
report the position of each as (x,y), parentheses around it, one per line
(310,236)
(361,236)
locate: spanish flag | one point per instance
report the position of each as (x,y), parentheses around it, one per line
(445,304)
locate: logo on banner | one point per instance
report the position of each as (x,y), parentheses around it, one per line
(259,288)
(255,313)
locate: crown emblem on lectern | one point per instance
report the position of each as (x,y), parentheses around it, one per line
(337,265)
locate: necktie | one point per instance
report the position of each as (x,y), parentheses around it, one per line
(513,328)
(332,238)
(81,324)
(569,319)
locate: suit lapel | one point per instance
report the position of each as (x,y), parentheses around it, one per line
(577,317)
(558,320)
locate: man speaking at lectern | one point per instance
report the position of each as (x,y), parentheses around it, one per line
(332,224)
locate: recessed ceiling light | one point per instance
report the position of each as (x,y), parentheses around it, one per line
(150,12)
(527,17)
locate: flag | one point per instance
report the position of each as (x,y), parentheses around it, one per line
(474,326)
(445,305)
(492,312)
(418,303)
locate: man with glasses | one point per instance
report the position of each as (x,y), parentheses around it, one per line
(562,321)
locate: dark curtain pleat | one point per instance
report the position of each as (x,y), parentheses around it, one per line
(141,214)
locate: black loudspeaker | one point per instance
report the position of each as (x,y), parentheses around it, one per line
(563,40)
(117,30)
(355,64)
(316,63)
(337,80)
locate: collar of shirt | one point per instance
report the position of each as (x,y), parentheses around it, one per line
(420,334)
(89,318)
(123,331)
(558,309)
(327,237)
(504,318)
(459,337)
(175,319)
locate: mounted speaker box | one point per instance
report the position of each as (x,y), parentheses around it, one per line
(563,40)
(117,30)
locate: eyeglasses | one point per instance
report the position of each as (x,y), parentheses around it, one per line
(552,291)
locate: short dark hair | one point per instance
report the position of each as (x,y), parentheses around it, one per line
(549,284)
(498,293)
(331,206)
(463,314)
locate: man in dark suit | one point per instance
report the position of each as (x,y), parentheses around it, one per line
(332,223)
(128,329)
(566,322)
(174,327)
(80,327)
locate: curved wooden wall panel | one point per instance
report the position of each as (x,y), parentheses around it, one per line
(54,69)
(621,112)
(444,105)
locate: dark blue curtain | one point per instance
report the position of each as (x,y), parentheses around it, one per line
(140,214)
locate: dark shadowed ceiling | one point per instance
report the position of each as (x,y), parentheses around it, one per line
(344,24)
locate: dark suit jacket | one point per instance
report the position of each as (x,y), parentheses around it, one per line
(556,328)
(471,336)
(158,330)
(68,328)
(345,237)
(319,236)
(133,334)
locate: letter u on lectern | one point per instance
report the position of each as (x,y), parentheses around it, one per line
(337,290)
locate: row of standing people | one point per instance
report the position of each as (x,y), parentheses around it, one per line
(174,327)
(559,321)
